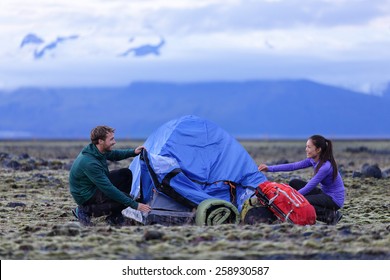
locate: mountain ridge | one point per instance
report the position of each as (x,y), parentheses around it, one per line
(257,109)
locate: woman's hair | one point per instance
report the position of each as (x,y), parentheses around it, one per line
(100,132)
(326,152)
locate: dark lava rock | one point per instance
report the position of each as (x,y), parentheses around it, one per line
(3,156)
(281,161)
(26,247)
(361,149)
(39,177)
(24,162)
(371,171)
(357,174)
(24,156)
(153,235)
(13,164)
(16,204)
(69,229)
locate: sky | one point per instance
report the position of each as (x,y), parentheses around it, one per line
(68,43)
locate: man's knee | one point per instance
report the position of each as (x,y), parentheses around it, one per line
(121,172)
(127,175)
(126,171)
(122,179)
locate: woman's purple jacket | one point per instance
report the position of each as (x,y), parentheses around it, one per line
(334,188)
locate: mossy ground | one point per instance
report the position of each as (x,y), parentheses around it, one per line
(36,220)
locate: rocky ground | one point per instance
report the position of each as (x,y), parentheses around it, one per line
(36,220)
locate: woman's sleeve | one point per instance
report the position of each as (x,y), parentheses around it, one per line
(290,166)
(317,178)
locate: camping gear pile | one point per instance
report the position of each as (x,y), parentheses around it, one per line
(193,172)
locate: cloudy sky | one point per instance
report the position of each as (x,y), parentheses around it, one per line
(115,42)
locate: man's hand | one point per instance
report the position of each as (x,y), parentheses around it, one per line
(138,150)
(144,207)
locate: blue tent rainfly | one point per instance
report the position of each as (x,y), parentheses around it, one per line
(189,160)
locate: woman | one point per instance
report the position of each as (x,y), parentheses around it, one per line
(328,199)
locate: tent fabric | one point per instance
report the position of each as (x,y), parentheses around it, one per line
(191,159)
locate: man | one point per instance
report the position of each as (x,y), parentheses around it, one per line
(97,191)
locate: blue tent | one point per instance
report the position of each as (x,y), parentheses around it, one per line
(189,160)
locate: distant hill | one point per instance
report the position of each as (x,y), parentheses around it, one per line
(252,109)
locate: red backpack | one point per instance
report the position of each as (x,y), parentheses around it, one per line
(286,203)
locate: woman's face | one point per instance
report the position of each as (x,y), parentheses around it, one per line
(312,151)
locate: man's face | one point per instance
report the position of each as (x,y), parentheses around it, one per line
(109,142)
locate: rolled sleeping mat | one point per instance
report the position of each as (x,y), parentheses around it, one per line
(216,212)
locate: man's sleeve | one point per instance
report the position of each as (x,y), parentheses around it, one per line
(120,154)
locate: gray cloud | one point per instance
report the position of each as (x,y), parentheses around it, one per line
(205,39)
(259,15)
(145,50)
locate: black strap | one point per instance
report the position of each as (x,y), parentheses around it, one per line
(153,175)
(165,187)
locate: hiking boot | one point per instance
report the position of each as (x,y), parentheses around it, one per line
(335,218)
(115,219)
(339,215)
(83,217)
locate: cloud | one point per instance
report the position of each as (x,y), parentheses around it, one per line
(36,40)
(266,15)
(31,39)
(52,45)
(145,49)
(202,39)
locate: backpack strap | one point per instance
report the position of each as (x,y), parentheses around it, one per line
(233,192)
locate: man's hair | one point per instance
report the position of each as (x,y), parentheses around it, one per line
(100,132)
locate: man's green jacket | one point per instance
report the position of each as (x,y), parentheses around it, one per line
(90,172)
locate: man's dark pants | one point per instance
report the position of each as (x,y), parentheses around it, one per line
(100,204)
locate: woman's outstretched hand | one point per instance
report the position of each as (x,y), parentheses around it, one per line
(263,167)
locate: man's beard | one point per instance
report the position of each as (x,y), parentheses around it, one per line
(108,148)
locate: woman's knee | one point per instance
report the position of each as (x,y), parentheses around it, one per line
(297,183)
